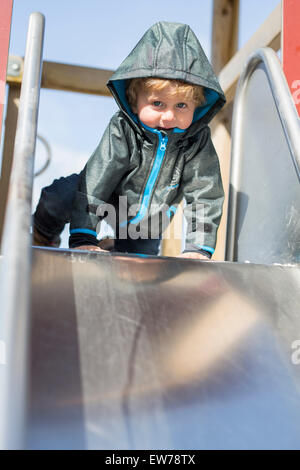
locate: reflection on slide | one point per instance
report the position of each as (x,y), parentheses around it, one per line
(134,353)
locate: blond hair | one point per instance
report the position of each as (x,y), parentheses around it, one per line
(189,91)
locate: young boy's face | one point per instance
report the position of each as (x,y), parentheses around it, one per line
(160,109)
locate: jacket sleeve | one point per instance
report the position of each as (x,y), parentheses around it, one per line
(204,195)
(98,180)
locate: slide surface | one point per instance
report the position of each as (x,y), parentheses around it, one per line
(161,353)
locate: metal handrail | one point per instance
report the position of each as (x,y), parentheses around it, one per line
(289,118)
(15,280)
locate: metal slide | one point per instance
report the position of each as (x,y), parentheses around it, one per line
(131,352)
(264,202)
(159,353)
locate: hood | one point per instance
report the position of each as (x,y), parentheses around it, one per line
(171,51)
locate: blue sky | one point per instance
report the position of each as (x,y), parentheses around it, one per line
(100,34)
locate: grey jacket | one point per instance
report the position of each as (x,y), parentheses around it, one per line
(154,170)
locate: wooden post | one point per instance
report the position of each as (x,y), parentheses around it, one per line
(5,21)
(8,148)
(221,136)
(172,237)
(267,35)
(225,32)
(224,46)
(291,47)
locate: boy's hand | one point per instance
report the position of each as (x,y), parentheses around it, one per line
(90,248)
(193,255)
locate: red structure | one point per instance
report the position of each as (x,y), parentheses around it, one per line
(5,21)
(291,47)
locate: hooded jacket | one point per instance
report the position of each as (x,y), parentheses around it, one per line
(155,169)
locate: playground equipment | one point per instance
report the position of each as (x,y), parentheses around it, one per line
(123,352)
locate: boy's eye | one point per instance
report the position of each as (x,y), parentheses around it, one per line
(157,103)
(181,105)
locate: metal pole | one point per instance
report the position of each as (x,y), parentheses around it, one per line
(15,280)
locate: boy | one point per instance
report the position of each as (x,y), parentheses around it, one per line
(155,151)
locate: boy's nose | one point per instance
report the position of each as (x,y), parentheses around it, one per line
(168,116)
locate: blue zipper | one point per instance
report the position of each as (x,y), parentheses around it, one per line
(162,146)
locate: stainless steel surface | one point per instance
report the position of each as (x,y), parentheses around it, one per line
(16,249)
(264,200)
(160,353)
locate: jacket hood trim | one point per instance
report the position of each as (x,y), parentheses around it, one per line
(176,130)
(168,74)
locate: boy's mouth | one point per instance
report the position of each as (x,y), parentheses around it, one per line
(165,128)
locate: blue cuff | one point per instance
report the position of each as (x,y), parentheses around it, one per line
(206,248)
(83,230)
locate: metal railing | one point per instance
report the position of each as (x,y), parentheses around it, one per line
(15,277)
(289,120)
